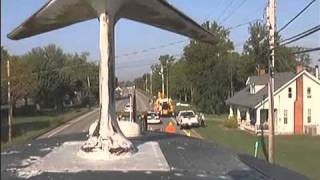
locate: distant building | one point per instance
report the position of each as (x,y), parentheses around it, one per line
(296,100)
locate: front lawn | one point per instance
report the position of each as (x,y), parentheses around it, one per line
(299,153)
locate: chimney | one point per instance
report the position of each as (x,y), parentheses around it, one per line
(317,72)
(299,68)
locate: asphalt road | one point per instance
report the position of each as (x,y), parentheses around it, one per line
(82,124)
(187,157)
(143,104)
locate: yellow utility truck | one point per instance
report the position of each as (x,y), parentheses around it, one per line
(164,106)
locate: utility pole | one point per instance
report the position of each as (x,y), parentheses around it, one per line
(147,82)
(151,92)
(167,79)
(162,79)
(272,29)
(131,108)
(9,103)
(89,91)
(231,81)
(88,82)
(134,107)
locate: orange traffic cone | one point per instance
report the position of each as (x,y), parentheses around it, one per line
(170,128)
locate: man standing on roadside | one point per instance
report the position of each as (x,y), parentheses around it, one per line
(202,120)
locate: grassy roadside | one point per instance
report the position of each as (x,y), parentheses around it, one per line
(30,127)
(299,153)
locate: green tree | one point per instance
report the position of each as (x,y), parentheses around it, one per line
(207,70)
(256,52)
(48,65)
(256,48)
(207,74)
(21,78)
(4,58)
(179,86)
(156,79)
(23,81)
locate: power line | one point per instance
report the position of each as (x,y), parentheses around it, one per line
(145,64)
(137,65)
(294,18)
(152,63)
(182,41)
(207,17)
(152,48)
(285,63)
(307,50)
(243,24)
(177,42)
(302,35)
(225,9)
(234,10)
(297,35)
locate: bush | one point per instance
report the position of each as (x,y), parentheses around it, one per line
(230,123)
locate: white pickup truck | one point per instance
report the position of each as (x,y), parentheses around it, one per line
(153,118)
(187,119)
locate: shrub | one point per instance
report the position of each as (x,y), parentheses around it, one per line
(230,123)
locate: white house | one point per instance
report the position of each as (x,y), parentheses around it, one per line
(296,100)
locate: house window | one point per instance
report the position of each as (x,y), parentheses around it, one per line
(309,92)
(309,115)
(290,92)
(285,117)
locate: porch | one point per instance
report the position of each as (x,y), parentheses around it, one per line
(251,120)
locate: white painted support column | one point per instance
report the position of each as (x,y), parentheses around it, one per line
(106,135)
(107,75)
(238,115)
(231,112)
(108,122)
(258,122)
(248,116)
(131,108)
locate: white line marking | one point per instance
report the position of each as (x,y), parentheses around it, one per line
(197,134)
(185,132)
(59,129)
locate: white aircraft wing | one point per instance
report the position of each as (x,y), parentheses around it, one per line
(159,13)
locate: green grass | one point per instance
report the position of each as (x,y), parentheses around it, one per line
(182,108)
(297,152)
(30,127)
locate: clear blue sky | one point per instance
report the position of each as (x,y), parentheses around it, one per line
(132,36)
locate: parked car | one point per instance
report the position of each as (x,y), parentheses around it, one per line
(127,108)
(153,118)
(187,119)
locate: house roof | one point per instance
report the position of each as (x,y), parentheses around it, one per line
(245,99)
(259,80)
